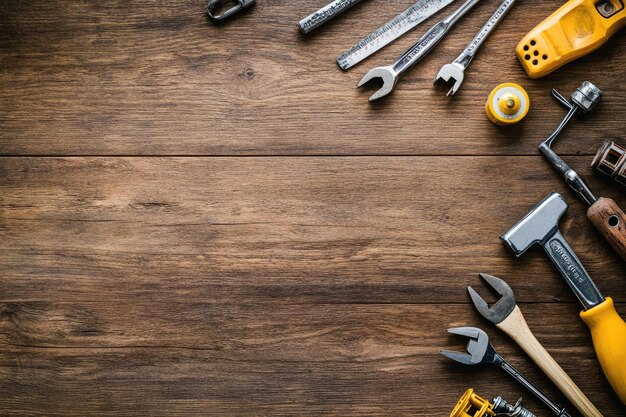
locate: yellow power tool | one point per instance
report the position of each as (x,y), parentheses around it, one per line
(574,30)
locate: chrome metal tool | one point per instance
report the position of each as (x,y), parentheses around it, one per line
(611,161)
(325,14)
(390,74)
(454,72)
(471,404)
(508,317)
(607,217)
(480,351)
(390,31)
(608,331)
(239,6)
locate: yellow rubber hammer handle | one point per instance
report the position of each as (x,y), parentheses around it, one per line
(608,332)
(575,29)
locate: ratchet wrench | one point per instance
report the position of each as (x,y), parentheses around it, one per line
(390,74)
(453,73)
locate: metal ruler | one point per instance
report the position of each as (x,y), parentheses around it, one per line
(324,14)
(391,31)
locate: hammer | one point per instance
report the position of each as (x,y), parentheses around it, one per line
(608,330)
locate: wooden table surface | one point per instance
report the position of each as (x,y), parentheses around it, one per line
(200,220)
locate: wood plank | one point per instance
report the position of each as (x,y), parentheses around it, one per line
(298,230)
(155,78)
(177,358)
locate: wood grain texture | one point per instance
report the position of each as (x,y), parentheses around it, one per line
(132,359)
(120,269)
(200,220)
(358,229)
(141,77)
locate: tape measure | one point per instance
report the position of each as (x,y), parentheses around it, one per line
(507,104)
(575,29)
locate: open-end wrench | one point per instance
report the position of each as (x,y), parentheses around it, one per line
(508,317)
(390,74)
(480,351)
(454,72)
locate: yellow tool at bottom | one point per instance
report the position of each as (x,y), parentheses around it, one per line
(576,29)
(507,104)
(472,405)
(608,332)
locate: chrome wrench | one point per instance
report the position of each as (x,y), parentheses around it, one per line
(481,351)
(454,72)
(390,74)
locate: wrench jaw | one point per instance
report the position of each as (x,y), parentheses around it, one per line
(502,308)
(450,74)
(384,74)
(477,346)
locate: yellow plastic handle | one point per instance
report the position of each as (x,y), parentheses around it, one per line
(608,331)
(575,29)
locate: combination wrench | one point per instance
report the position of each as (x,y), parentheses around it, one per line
(391,73)
(454,72)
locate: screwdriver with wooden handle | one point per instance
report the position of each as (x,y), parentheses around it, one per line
(604,213)
(574,30)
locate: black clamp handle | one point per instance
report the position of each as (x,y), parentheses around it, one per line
(239,6)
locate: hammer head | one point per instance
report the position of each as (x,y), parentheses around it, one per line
(538,226)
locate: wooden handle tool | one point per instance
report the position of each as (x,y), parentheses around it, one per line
(516,327)
(507,316)
(610,221)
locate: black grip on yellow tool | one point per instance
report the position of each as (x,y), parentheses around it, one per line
(575,29)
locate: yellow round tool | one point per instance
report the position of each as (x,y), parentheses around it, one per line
(471,405)
(507,104)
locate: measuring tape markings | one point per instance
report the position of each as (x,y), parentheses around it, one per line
(390,31)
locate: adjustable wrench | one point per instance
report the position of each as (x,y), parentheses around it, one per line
(454,72)
(391,73)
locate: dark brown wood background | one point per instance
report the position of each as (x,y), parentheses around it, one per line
(202,220)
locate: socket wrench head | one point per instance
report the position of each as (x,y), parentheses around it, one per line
(586,97)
